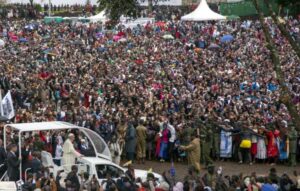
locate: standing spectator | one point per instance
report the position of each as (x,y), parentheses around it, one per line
(171,141)
(164,136)
(3,165)
(193,150)
(293,146)
(58,152)
(36,164)
(141,135)
(130,145)
(13,163)
(115,150)
(272,148)
(261,145)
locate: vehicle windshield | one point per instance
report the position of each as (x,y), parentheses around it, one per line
(105,171)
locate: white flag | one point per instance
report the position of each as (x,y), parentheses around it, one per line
(7,106)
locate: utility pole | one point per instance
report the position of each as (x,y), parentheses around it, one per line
(49,9)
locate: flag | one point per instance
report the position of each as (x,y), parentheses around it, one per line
(7,106)
(127,163)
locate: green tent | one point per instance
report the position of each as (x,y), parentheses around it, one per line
(53,19)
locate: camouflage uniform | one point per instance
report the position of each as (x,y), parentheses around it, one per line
(293,145)
(206,144)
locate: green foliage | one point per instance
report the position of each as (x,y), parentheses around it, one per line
(292,5)
(38,7)
(31,3)
(88,2)
(285,3)
(116,8)
(245,8)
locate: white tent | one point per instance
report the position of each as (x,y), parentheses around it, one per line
(101,17)
(202,13)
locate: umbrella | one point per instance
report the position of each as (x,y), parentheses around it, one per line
(227,38)
(123,40)
(160,24)
(30,27)
(78,42)
(168,37)
(99,35)
(213,46)
(23,40)
(2,43)
(116,38)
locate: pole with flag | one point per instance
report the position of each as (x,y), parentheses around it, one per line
(1,107)
(7,106)
(173,172)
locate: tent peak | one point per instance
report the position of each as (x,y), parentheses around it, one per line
(202,13)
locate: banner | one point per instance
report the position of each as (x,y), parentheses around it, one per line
(226,144)
(7,106)
(161,2)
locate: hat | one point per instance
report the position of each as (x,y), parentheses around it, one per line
(150,175)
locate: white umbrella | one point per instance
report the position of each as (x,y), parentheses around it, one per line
(123,40)
(168,36)
(2,43)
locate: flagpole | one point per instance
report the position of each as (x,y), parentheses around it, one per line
(49,9)
(1,108)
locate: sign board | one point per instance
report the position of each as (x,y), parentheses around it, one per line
(161,2)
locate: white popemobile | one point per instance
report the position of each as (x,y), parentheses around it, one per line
(98,164)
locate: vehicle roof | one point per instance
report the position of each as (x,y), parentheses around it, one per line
(42,126)
(99,145)
(97,160)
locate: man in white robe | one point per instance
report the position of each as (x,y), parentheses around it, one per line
(69,153)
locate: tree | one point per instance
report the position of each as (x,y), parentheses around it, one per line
(2,2)
(292,5)
(283,29)
(116,8)
(285,95)
(150,5)
(88,2)
(31,3)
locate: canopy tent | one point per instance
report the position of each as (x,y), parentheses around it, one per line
(101,17)
(202,13)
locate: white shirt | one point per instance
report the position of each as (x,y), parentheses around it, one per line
(173,133)
(58,151)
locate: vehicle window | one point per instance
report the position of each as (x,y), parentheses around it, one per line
(105,170)
(101,171)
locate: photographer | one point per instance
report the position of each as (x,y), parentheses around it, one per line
(109,183)
(57,181)
(93,185)
(73,180)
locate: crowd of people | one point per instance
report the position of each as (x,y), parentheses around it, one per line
(150,95)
